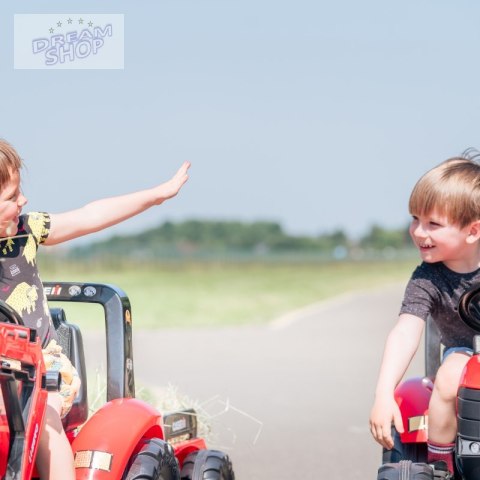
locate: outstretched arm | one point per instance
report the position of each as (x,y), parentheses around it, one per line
(401,345)
(100,214)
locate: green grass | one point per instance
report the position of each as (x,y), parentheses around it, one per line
(216,294)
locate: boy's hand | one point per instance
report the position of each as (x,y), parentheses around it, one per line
(383,412)
(69,393)
(170,188)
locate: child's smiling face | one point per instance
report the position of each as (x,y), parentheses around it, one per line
(440,240)
(11,202)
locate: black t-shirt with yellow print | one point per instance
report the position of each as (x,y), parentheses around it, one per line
(20,283)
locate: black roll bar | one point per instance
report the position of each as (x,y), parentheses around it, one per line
(118,326)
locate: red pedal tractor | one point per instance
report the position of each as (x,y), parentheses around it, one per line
(126,439)
(413,396)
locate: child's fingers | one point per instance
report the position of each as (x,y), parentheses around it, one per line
(76,383)
(69,393)
(397,420)
(385,437)
(182,171)
(173,185)
(382,433)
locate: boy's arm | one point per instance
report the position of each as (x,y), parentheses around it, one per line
(400,347)
(104,213)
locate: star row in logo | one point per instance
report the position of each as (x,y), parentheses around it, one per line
(70,22)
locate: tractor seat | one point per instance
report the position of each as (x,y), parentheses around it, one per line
(70,339)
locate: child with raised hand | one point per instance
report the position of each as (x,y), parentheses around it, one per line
(445,227)
(21,286)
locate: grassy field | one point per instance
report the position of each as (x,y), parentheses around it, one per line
(205,294)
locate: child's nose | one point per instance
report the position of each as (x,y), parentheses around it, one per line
(419,231)
(22,200)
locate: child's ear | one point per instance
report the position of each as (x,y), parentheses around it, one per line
(474,232)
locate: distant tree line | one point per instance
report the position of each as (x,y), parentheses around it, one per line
(203,237)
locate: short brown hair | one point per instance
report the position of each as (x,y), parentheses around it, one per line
(10,162)
(451,189)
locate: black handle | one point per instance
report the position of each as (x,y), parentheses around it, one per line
(118,325)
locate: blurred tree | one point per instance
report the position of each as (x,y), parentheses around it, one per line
(379,238)
(193,236)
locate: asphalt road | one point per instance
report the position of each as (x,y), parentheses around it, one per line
(289,400)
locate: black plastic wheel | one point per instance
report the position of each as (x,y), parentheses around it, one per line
(416,452)
(155,461)
(207,465)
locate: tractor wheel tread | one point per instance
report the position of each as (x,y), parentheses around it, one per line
(155,461)
(207,465)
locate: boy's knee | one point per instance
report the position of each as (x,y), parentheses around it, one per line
(448,376)
(444,388)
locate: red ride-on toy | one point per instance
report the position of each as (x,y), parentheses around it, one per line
(126,439)
(413,397)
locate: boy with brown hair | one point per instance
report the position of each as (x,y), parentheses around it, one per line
(21,286)
(445,227)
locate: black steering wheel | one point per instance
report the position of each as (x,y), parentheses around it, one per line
(469,307)
(9,315)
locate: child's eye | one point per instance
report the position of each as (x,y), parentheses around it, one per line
(14,197)
(435,224)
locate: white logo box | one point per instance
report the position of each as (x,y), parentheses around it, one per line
(69,41)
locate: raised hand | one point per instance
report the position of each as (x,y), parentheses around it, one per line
(171,187)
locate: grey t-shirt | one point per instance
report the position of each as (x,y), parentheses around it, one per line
(435,290)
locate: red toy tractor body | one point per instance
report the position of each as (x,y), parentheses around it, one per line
(126,438)
(413,398)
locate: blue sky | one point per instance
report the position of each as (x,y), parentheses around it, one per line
(315,114)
